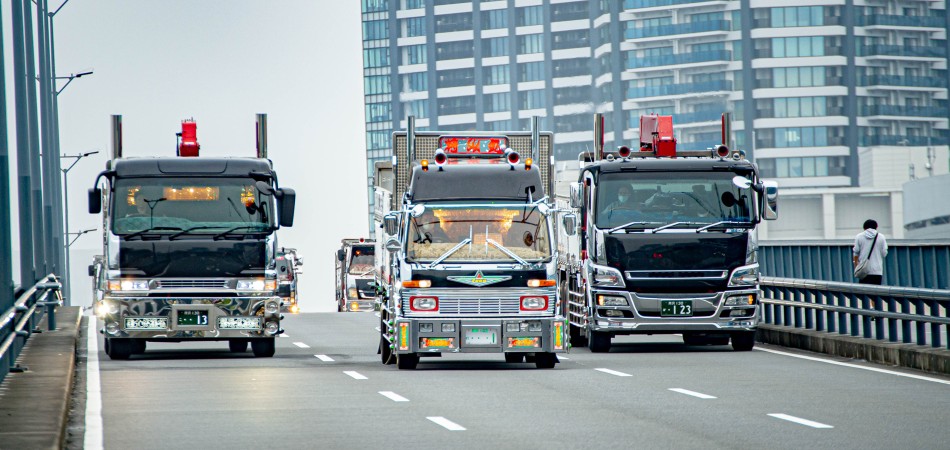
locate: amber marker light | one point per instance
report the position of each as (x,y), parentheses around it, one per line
(417,284)
(541,283)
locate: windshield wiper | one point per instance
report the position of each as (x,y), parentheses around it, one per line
(627,225)
(722,222)
(208,227)
(507,252)
(450,252)
(148,230)
(673,224)
(222,234)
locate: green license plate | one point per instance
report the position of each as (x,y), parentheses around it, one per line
(676,308)
(193,317)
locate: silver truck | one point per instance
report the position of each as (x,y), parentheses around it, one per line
(354,262)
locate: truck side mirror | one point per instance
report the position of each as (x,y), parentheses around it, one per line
(570,224)
(770,212)
(92,270)
(576,195)
(286,200)
(95,201)
(393,245)
(340,254)
(391,224)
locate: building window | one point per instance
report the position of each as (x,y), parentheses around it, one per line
(798,76)
(497,102)
(415,4)
(530,43)
(375,29)
(803,16)
(415,26)
(457,105)
(414,54)
(800,107)
(379,112)
(498,125)
(530,15)
(375,5)
(570,39)
(533,99)
(652,23)
(455,77)
(374,85)
(532,71)
(793,47)
(561,12)
(817,166)
(568,95)
(454,50)
(571,67)
(418,109)
(377,140)
(495,47)
(496,75)
(415,82)
(453,22)
(494,19)
(375,57)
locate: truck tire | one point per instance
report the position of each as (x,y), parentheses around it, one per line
(577,340)
(743,341)
(264,348)
(118,348)
(599,342)
(237,345)
(545,360)
(407,361)
(138,346)
(386,355)
(514,357)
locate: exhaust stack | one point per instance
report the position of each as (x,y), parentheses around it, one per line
(261,133)
(116,136)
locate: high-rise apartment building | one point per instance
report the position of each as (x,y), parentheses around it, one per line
(840,101)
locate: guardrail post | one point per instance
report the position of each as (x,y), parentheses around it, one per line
(799,296)
(820,299)
(853,303)
(935,327)
(891,323)
(905,324)
(878,305)
(921,326)
(865,319)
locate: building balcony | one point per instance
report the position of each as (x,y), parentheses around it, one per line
(902,21)
(723,56)
(936,112)
(905,141)
(915,51)
(678,89)
(830,111)
(698,116)
(680,28)
(641,4)
(904,81)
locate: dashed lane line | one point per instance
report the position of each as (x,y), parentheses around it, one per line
(324,358)
(800,421)
(854,366)
(614,372)
(693,393)
(93,438)
(446,423)
(301,345)
(355,375)
(393,396)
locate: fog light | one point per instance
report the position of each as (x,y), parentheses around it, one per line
(512,327)
(105,307)
(609,300)
(448,327)
(354,306)
(112,328)
(425,327)
(271,307)
(294,309)
(534,326)
(613,313)
(739,300)
(740,312)
(271,328)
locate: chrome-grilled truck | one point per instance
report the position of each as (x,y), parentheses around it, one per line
(189,249)
(288,270)
(355,277)
(470,254)
(667,243)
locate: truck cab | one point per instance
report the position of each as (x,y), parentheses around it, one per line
(355,275)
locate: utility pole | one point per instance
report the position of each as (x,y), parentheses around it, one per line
(27,267)
(41,229)
(6,247)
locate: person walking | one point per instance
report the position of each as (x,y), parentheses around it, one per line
(868,254)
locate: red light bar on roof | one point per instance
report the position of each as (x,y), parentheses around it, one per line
(468,145)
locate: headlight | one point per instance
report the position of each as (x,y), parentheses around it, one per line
(603,276)
(105,308)
(745,276)
(256,285)
(271,307)
(128,285)
(352,293)
(740,300)
(534,303)
(610,300)
(424,303)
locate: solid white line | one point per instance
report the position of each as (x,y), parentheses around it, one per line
(355,375)
(92,438)
(694,394)
(799,420)
(301,345)
(855,366)
(393,396)
(448,424)
(614,372)
(324,358)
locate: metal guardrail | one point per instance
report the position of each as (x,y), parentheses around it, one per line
(895,314)
(19,321)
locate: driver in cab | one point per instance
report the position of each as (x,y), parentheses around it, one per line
(624,201)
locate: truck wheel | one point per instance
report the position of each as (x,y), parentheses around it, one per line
(138,346)
(743,341)
(386,355)
(599,342)
(264,348)
(237,345)
(545,360)
(407,361)
(514,357)
(118,348)
(576,339)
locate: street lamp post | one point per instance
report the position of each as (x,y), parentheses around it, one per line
(76,158)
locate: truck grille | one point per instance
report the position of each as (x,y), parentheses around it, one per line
(189,284)
(482,305)
(681,274)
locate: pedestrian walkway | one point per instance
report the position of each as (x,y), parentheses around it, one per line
(34,404)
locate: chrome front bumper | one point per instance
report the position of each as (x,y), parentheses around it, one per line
(643,313)
(478,335)
(158,317)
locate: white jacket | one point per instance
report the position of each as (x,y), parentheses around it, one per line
(862,244)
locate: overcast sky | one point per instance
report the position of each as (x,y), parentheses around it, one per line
(219,62)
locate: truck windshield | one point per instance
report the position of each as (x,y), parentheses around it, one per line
(655,199)
(522,231)
(362,260)
(190,205)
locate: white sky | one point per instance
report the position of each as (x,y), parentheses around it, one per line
(220,62)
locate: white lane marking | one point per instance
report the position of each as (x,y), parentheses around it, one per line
(284,335)
(301,345)
(694,394)
(393,396)
(324,358)
(355,375)
(92,438)
(799,420)
(855,366)
(614,372)
(565,358)
(448,424)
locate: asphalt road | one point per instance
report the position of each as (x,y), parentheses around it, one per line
(325,388)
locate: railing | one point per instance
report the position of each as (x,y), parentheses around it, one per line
(637,62)
(634,93)
(638,4)
(873,312)
(903,21)
(905,111)
(910,141)
(904,50)
(679,28)
(900,80)
(18,322)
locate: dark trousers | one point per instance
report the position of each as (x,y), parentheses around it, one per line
(872,279)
